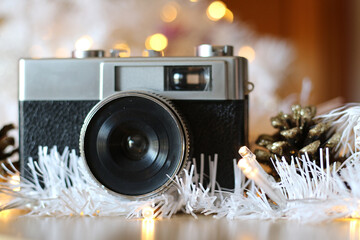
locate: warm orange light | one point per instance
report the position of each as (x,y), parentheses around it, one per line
(157,42)
(15,181)
(193,0)
(169,12)
(354,229)
(148,229)
(125,49)
(355,214)
(247,52)
(148,213)
(84,43)
(216,10)
(229,16)
(9,214)
(247,169)
(252,174)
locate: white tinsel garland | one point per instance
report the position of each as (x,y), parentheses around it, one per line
(306,192)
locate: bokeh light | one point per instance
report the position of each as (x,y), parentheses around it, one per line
(247,52)
(15,181)
(125,49)
(148,229)
(147,213)
(354,229)
(229,16)
(84,43)
(157,42)
(216,10)
(169,12)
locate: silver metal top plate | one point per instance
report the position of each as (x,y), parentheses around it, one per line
(94,78)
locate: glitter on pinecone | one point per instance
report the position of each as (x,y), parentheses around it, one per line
(297,133)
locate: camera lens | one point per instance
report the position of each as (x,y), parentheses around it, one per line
(136,146)
(134,143)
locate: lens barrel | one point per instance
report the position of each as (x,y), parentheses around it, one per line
(134,143)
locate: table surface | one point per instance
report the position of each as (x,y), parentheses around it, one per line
(15,226)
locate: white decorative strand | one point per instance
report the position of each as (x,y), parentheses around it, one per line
(346,120)
(70,191)
(67,189)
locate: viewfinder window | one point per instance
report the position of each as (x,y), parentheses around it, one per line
(188,78)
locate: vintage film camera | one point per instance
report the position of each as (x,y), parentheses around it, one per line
(138,119)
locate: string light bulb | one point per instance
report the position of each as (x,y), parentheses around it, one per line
(157,42)
(15,181)
(169,12)
(84,43)
(229,16)
(247,52)
(252,170)
(216,10)
(245,152)
(148,213)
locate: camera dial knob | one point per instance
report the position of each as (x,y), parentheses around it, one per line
(207,50)
(153,53)
(115,53)
(87,53)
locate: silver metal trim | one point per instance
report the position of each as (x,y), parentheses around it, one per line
(207,50)
(167,105)
(153,53)
(101,81)
(94,78)
(115,53)
(220,87)
(22,80)
(241,74)
(88,54)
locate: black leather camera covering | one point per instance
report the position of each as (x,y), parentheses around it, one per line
(50,123)
(216,127)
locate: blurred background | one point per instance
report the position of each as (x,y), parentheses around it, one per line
(293,46)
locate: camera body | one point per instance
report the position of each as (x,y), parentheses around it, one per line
(207,94)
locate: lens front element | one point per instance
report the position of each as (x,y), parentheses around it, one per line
(132,142)
(136,146)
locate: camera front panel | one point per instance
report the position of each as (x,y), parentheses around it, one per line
(217,127)
(50,123)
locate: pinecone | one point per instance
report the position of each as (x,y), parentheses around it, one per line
(6,141)
(297,133)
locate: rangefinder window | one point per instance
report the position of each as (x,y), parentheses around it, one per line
(187,78)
